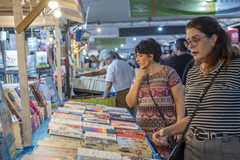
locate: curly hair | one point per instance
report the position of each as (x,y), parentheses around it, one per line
(149,46)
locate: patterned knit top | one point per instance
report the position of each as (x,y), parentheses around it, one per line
(161,83)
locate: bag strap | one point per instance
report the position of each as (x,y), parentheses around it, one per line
(155,103)
(204,92)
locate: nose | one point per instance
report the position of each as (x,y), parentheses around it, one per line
(137,59)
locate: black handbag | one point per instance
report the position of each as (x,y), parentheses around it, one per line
(171,141)
(178,151)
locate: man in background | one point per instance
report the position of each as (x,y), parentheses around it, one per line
(181,57)
(119,75)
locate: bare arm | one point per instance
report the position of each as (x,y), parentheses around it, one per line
(131,98)
(93,73)
(107,89)
(178,97)
(160,137)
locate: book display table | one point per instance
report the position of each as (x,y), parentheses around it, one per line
(89,131)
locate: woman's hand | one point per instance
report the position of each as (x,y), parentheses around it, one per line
(142,73)
(160,137)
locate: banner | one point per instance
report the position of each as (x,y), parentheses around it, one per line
(234,35)
(161,8)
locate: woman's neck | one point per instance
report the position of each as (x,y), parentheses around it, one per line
(204,66)
(153,68)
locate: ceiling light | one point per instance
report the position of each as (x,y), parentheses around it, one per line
(160,28)
(116,49)
(98,29)
(122,45)
(57,13)
(53,4)
(208,1)
(134,38)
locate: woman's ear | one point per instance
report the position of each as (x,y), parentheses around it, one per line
(151,56)
(214,39)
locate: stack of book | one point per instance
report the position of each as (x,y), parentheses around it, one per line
(86,131)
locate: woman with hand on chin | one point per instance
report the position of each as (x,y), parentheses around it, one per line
(214,132)
(166,89)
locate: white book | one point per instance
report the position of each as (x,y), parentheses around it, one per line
(96,125)
(100,135)
(99,154)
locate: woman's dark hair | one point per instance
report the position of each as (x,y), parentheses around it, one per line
(222,48)
(149,46)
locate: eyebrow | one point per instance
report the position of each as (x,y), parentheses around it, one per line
(193,36)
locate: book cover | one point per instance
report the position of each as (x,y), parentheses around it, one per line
(135,158)
(31,61)
(53,91)
(66,133)
(66,116)
(99,154)
(57,144)
(134,143)
(81,157)
(124,151)
(95,125)
(41,58)
(11,58)
(130,131)
(16,109)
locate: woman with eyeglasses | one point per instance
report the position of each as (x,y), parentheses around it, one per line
(214,132)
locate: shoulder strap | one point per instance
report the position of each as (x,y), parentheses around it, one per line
(155,103)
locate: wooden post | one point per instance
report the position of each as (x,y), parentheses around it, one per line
(22,68)
(68,91)
(77,54)
(58,49)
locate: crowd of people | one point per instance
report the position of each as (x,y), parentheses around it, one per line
(176,85)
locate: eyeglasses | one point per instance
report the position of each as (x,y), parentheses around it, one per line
(193,41)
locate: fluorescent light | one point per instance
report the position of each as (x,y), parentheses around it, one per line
(116,49)
(160,28)
(134,38)
(122,45)
(53,4)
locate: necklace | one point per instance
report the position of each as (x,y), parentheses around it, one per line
(202,71)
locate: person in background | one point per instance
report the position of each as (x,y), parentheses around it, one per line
(214,132)
(118,75)
(181,58)
(166,88)
(101,71)
(93,63)
(185,72)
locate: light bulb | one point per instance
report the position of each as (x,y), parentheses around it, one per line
(57,13)
(53,4)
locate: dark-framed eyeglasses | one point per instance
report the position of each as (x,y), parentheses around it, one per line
(193,41)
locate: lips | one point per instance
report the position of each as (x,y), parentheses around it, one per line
(194,53)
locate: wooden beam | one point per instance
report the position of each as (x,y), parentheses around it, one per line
(69,5)
(22,66)
(71,17)
(68,91)
(81,9)
(31,16)
(58,49)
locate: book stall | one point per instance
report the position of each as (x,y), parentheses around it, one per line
(81,130)
(27,57)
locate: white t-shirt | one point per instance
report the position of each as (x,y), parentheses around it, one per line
(120,74)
